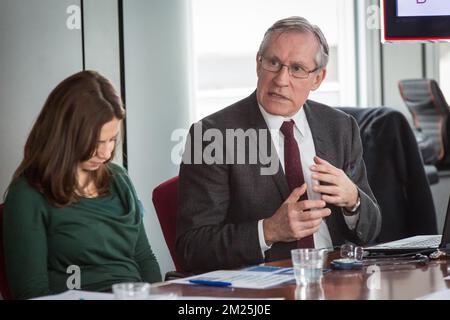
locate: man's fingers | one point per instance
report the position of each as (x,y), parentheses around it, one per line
(307,232)
(324,177)
(323,166)
(296,194)
(336,200)
(327,190)
(310,224)
(316,168)
(319,160)
(310,204)
(314,214)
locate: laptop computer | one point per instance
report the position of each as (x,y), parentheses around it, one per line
(425,243)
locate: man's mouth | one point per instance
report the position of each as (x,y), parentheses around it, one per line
(277,95)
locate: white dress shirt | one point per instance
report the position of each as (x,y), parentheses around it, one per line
(303,136)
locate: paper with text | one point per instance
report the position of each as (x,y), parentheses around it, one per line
(258,277)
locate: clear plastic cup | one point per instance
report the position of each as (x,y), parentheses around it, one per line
(308,265)
(131,291)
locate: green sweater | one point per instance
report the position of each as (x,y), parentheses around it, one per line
(103,236)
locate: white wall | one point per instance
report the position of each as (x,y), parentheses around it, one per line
(157,79)
(400,61)
(381,66)
(101,44)
(37,51)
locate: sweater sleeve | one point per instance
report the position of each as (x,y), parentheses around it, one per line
(25,242)
(146,260)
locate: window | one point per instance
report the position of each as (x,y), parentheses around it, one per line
(227,35)
(444,67)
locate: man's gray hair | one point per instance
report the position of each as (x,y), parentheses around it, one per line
(299,24)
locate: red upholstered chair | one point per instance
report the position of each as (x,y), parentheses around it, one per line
(4,287)
(165,202)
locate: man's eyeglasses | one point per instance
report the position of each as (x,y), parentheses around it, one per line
(295,70)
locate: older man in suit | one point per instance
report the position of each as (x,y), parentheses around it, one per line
(314,194)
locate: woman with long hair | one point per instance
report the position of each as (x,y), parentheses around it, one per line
(72,218)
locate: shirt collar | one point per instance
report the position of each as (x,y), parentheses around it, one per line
(274,122)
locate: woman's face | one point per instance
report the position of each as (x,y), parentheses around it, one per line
(105,146)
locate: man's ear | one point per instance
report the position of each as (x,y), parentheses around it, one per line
(318,78)
(258,64)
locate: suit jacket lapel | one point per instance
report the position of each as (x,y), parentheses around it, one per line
(322,144)
(319,133)
(256,120)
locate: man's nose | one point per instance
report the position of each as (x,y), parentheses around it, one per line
(282,77)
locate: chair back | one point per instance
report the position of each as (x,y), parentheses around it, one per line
(4,287)
(395,173)
(430,112)
(165,201)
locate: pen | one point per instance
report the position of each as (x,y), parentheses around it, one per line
(210,283)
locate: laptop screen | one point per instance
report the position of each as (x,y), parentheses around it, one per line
(420,242)
(445,243)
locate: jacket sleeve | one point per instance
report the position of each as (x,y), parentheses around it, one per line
(369,224)
(205,239)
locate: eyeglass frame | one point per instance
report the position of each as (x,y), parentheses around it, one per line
(261,57)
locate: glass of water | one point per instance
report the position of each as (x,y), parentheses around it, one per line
(313,291)
(131,291)
(308,265)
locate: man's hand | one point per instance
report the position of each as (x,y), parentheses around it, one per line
(338,188)
(295,220)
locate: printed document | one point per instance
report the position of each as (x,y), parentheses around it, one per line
(257,277)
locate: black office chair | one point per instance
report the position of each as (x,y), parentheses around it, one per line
(430,112)
(395,172)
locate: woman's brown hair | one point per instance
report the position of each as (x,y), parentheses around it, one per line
(66,133)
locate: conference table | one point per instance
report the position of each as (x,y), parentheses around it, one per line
(373,282)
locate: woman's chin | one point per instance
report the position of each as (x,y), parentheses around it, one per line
(92,166)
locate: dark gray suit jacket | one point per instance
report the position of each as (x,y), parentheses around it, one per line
(219,205)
